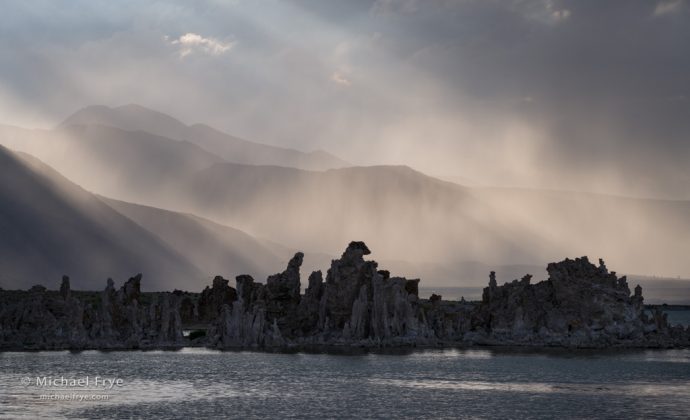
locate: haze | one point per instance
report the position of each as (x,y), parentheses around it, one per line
(451,136)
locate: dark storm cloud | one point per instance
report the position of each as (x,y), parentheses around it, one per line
(591,95)
(608,81)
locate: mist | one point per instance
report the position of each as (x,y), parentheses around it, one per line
(445,135)
(411,220)
(536,94)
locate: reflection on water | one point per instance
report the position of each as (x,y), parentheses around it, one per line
(452,353)
(468,385)
(195,383)
(680,390)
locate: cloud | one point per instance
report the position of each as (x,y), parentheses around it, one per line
(544,11)
(560,15)
(393,7)
(191,42)
(340,79)
(460,72)
(667,7)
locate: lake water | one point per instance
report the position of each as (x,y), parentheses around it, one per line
(478,383)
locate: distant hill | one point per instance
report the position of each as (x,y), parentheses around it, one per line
(214,248)
(401,213)
(50,227)
(115,162)
(230,148)
(405,215)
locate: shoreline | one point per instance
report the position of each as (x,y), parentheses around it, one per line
(356,349)
(388,351)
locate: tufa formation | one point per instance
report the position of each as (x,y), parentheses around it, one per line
(580,305)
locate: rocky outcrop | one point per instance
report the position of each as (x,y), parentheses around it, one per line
(283,297)
(309,311)
(212,300)
(579,305)
(242,324)
(345,281)
(262,313)
(42,319)
(356,305)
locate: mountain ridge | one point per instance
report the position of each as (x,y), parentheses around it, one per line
(50,226)
(228,147)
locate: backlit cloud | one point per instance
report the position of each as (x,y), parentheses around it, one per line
(667,7)
(191,42)
(444,86)
(340,79)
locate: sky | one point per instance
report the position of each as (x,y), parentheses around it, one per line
(580,95)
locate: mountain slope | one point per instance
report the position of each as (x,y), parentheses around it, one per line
(406,215)
(50,227)
(230,148)
(216,248)
(402,213)
(124,164)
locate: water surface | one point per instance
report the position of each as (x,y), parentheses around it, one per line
(200,383)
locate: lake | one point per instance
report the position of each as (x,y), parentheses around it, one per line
(452,383)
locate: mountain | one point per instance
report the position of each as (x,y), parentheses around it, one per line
(402,213)
(437,228)
(214,248)
(230,148)
(50,227)
(124,164)
(406,215)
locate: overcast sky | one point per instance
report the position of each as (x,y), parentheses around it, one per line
(586,95)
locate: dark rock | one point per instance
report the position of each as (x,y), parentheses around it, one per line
(131,291)
(37,289)
(412,287)
(65,291)
(213,298)
(283,296)
(346,280)
(579,305)
(309,306)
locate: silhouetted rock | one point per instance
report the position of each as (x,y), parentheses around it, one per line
(309,306)
(37,289)
(212,299)
(283,296)
(344,282)
(41,319)
(579,305)
(65,291)
(131,290)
